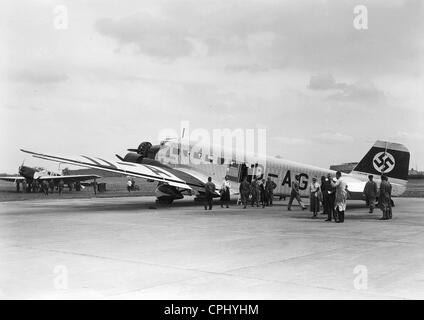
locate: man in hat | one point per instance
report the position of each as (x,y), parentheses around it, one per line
(370,192)
(385,198)
(269,188)
(314,199)
(328,197)
(209,192)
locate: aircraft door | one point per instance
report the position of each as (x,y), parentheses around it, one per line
(236,171)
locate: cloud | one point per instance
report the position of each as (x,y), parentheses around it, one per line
(333,137)
(358,92)
(39,76)
(159,37)
(290,140)
(402,135)
(324,81)
(309,35)
(249,68)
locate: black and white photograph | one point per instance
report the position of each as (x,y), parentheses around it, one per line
(212,150)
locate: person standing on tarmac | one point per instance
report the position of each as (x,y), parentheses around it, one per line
(61,186)
(225,192)
(45,187)
(314,199)
(385,198)
(209,191)
(269,188)
(256,191)
(341,197)
(328,197)
(129,184)
(370,192)
(95,186)
(262,193)
(51,185)
(295,193)
(244,192)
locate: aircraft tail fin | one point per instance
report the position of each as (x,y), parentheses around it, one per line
(388,158)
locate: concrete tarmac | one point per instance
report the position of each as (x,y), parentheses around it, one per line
(125,248)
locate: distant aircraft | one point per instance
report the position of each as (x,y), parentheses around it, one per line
(167,164)
(39,174)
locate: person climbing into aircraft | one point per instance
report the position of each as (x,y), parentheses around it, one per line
(269,188)
(209,191)
(225,192)
(295,193)
(244,192)
(314,190)
(341,197)
(385,198)
(370,193)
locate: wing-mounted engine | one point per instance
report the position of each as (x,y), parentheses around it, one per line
(166,194)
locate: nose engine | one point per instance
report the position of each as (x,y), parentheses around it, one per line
(145,153)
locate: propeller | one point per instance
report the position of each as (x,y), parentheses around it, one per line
(21,166)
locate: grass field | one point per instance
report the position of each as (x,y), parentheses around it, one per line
(116,187)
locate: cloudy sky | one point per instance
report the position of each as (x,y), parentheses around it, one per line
(124,70)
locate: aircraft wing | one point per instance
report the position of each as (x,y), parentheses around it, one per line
(12,179)
(70,178)
(145,171)
(354,184)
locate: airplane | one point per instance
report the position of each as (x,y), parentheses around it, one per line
(183,168)
(30,174)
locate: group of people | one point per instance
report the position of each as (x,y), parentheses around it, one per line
(384,196)
(331,194)
(130,184)
(257,192)
(45,186)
